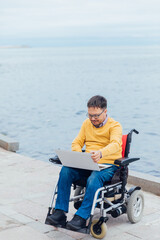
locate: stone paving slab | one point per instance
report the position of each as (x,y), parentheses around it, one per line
(26,187)
(6,222)
(23,232)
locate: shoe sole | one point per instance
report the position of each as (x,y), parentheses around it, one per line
(74,228)
(61,223)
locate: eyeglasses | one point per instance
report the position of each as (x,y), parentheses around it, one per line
(96,116)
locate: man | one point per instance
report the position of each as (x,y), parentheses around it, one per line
(102,137)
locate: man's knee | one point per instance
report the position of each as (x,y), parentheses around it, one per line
(94,181)
(69,173)
(65,172)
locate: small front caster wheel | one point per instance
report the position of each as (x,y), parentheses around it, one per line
(98,231)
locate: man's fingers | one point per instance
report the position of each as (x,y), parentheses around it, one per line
(95,155)
(92,152)
(95,158)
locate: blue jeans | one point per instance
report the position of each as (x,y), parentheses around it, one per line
(95,180)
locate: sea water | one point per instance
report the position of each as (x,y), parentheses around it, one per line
(44,92)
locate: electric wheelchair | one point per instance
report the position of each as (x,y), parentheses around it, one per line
(113,198)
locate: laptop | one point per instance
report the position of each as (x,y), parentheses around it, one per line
(80,160)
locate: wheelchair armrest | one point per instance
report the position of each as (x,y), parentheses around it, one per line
(125,161)
(55,160)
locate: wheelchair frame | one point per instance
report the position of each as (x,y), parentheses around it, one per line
(112,198)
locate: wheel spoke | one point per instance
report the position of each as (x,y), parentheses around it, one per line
(137,207)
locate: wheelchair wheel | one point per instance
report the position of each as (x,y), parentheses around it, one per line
(98,231)
(135,206)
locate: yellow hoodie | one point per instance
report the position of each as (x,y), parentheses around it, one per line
(107,139)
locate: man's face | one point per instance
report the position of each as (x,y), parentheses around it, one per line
(96,115)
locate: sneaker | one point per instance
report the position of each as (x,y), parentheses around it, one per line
(57,218)
(76,223)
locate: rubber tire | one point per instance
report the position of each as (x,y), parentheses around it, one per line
(135,206)
(103,230)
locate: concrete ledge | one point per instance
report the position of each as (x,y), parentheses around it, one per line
(145,181)
(8,143)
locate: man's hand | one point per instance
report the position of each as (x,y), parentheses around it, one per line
(96,155)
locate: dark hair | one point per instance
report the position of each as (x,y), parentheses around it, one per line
(97,101)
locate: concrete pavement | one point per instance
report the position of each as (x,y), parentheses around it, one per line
(26,187)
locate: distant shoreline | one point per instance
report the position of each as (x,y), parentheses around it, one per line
(21,46)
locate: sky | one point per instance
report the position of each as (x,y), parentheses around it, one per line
(79,22)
